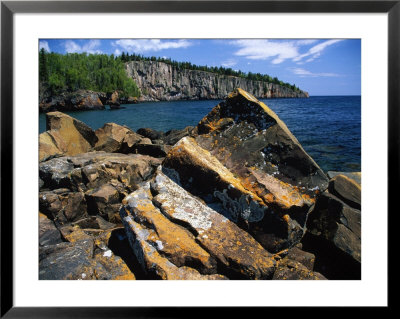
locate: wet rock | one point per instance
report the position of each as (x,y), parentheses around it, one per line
(288,269)
(48,233)
(237,254)
(65,135)
(334,236)
(346,189)
(245,158)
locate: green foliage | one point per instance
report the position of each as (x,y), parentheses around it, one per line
(96,72)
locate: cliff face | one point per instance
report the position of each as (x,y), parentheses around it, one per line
(159,81)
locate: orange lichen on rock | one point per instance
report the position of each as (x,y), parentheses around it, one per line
(223,239)
(168,238)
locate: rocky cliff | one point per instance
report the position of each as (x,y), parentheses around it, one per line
(159,81)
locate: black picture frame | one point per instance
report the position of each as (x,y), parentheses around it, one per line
(9,8)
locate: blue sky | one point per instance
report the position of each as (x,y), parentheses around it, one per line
(318,66)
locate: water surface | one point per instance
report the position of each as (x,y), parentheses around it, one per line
(328,127)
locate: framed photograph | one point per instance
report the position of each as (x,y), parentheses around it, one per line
(216,142)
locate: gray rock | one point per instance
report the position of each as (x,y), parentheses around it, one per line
(159,81)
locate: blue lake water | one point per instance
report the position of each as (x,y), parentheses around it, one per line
(328,127)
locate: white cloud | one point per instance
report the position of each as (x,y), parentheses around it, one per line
(265,49)
(144,45)
(72,47)
(315,51)
(117,52)
(229,63)
(306,73)
(305,42)
(279,51)
(44,45)
(89,47)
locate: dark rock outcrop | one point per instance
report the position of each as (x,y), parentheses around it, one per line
(159,81)
(246,159)
(85,259)
(81,100)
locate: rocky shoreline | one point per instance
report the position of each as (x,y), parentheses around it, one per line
(83,100)
(235,197)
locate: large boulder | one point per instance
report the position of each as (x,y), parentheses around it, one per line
(114,138)
(65,135)
(334,236)
(202,239)
(246,159)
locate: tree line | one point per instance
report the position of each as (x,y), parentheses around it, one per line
(73,71)
(126,57)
